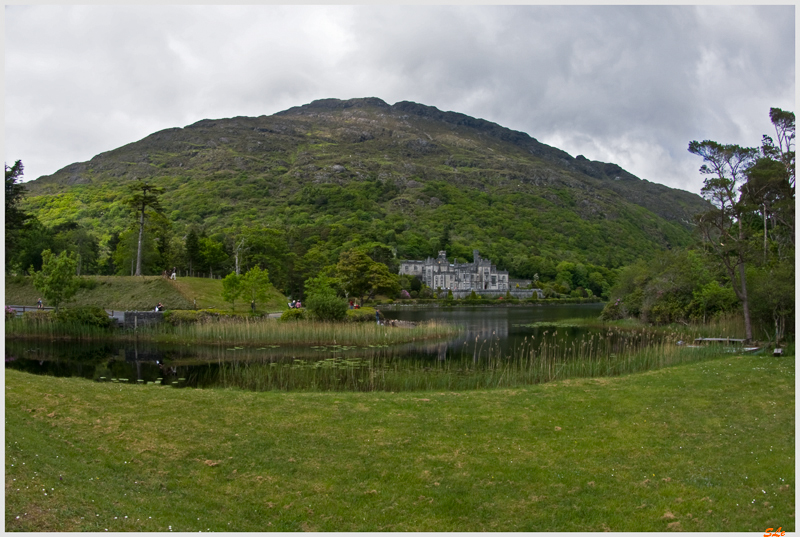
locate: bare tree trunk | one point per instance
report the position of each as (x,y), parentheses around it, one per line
(139,249)
(764,205)
(748,329)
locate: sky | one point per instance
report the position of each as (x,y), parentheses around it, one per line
(632,85)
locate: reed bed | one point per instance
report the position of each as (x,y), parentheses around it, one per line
(19,327)
(247,332)
(478,366)
(296,333)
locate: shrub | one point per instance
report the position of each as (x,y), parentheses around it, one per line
(613,311)
(39,316)
(294,314)
(326,306)
(361,315)
(179,317)
(404,294)
(87,283)
(86,316)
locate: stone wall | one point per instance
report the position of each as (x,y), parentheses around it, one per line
(142,318)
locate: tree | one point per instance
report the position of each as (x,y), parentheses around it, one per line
(352,271)
(360,275)
(382,281)
(770,184)
(232,288)
(57,280)
(15,217)
(143,196)
(192,250)
(212,253)
(255,285)
(321,300)
(722,226)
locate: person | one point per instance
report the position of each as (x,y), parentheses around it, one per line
(351,303)
(293,304)
(159,307)
(378,316)
(39,304)
(298,305)
(174,273)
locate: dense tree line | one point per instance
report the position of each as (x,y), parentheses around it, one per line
(743,260)
(292,254)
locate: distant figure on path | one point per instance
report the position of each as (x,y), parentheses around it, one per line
(39,304)
(378,316)
(174,273)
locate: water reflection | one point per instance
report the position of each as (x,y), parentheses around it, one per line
(489,332)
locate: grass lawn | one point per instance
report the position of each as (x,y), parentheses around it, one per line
(142,293)
(700,447)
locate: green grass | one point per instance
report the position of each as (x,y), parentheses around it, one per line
(143,293)
(699,447)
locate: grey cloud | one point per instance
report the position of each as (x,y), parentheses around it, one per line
(626,84)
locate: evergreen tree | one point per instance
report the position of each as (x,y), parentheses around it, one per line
(143,196)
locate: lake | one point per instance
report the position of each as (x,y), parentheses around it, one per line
(496,342)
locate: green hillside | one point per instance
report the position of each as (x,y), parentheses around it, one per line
(141,293)
(333,174)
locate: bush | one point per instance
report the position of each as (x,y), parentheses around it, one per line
(39,316)
(361,315)
(86,316)
(87,283)
(294,314)
(326,306)
(179,317)
(613,311)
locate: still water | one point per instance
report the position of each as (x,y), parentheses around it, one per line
(488,331)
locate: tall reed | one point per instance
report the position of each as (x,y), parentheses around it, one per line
(480,365)
(295,333)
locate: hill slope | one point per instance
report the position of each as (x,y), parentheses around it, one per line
(143,293)
(333,173)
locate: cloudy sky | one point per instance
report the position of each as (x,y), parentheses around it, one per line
(628,84)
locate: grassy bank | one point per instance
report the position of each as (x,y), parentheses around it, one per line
(731,326)
(700,447)
(141,293)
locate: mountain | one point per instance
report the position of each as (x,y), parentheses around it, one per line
(335,173)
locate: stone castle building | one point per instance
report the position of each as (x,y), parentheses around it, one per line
(480,275)
(462,278)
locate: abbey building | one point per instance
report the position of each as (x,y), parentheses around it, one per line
(479,276)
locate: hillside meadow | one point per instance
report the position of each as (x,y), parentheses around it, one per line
(143,293)
(707,446)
